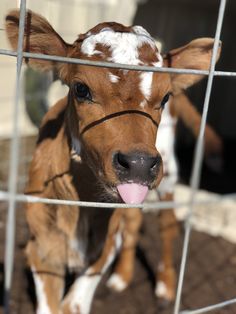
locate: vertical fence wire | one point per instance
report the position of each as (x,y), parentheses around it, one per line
(198,156)
(13,170)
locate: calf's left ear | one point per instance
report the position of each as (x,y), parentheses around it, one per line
(39,37)
(195,55)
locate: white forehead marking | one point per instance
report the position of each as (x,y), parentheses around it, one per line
(146,84)
(113,78)
(146,79)
(139,30)
(123,46)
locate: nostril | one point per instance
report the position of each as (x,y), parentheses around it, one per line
(121,160)
(155,162)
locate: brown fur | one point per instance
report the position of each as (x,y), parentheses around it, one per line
(112,122)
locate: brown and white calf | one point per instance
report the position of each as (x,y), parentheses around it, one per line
(97,144)
(179,107)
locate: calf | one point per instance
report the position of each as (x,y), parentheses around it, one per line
(179,107)
(96,144)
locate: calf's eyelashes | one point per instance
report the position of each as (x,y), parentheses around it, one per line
(165,99)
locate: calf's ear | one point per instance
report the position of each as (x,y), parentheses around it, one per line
(195,55)
(39,37)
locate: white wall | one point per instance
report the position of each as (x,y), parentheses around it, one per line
(69,18)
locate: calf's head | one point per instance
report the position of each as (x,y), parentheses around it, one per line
(113,115)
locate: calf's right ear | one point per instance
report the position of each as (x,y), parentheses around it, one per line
(39,37)
(195,55)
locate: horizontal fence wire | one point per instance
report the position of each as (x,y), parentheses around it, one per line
(22,198)
(115,65)
(210,308)
(12,197)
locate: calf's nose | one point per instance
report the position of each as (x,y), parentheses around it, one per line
(136,166)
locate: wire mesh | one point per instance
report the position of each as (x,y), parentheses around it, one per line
(12,196)
(10,230)
(198,157)
(210,308)
(116,65)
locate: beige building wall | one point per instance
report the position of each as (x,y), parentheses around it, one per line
(69,18)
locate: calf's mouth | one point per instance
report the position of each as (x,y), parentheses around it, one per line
(137,172)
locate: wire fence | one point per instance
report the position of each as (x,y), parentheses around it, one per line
(12,197)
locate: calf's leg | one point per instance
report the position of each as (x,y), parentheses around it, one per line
(169,230)
(123,274)
(79,298)
(49,281)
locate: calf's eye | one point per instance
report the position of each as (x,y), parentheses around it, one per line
(165,100)
(82,92)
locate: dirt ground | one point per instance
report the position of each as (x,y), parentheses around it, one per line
(210,274)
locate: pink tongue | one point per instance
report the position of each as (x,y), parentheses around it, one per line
(132,193)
